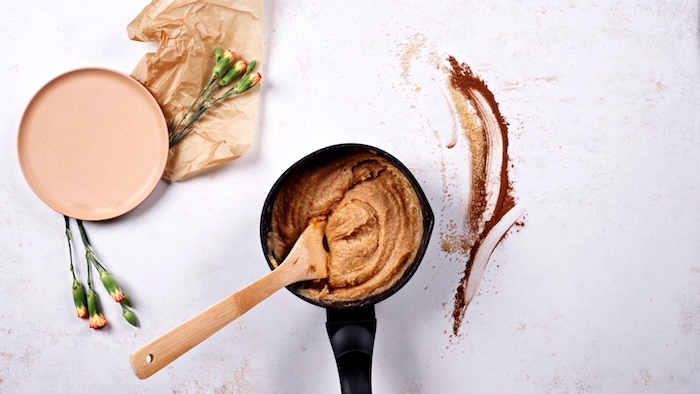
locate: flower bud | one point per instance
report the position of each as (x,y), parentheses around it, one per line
(111,286)
(217,54)
(247,82)
(223,63)
(130,317)
(80,299)
(237,69)
(127,300)
(96,318)
(251,67)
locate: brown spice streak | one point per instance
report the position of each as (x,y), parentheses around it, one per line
(464,81)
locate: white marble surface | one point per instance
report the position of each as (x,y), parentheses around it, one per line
(598,292)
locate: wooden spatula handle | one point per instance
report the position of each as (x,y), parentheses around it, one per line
(163,350)
(306,261)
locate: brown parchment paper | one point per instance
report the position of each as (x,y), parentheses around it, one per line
(187,32)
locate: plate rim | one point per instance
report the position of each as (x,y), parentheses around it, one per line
(151,186)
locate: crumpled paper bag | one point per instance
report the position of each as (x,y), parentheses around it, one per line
(187,32)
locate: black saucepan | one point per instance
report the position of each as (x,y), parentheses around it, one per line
(351,325)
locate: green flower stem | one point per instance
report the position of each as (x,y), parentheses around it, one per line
(211,81)
(70,247)
(228,93)
(89,255)
(208,96)
(89,275)
(83,234)
(177,137)
(186,130)
(202,108)
(88,252)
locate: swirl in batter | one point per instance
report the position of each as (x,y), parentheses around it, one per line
(374,230)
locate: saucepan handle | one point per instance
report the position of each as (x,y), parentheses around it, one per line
(351,333)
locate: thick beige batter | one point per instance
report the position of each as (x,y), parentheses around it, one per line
(375,224)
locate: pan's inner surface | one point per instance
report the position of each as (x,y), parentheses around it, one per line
(379,222)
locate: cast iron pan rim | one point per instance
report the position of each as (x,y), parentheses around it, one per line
(428,222)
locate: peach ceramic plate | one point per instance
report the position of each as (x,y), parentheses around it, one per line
(93,144)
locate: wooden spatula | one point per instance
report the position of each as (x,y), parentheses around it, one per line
(306,261)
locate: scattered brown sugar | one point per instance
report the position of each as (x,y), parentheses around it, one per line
(467,91)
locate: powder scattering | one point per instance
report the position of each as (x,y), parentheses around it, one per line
(411,50)
(491,195)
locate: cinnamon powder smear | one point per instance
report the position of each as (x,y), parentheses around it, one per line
(490,210)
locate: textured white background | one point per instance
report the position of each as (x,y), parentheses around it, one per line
(598,292)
